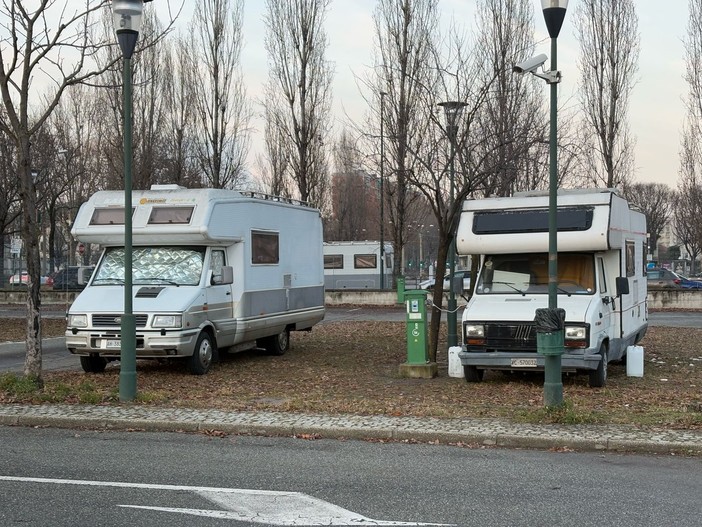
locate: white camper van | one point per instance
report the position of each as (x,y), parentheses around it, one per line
(601,280)
(212,270)
(356,265)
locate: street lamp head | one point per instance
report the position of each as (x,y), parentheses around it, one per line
(452,111)
(126,16)
(554,13)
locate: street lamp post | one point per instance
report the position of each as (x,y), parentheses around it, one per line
(382,195)
(452,111)
(126,15)
(554,13)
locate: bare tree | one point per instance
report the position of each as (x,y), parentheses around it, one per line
(300,81)
(355,196)
(688,205)
(406,33)
(222,112)
(52,41)
(513,117)
(609,52)
(655,200)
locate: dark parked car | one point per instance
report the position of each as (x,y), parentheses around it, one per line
(665,278)
(67,279)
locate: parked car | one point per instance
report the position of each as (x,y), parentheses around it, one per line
(67,279)
(23,279)
(463,275)
(658,277)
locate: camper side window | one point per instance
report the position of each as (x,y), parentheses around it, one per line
(216,264)
(630,259)
(333,261)
(264,248)
(365,261)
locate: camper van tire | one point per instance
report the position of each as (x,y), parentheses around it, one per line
(598,377)
(473,374)
(276,344)
(93,363)
(201,359)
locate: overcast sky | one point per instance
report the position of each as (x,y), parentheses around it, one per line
(656,113)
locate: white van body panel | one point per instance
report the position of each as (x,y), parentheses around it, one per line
(600,228)
(219,227)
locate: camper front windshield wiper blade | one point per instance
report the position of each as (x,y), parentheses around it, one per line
(112,279)
(158,279)
(512,286)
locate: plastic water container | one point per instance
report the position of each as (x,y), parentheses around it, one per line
(634,361)
(455,368)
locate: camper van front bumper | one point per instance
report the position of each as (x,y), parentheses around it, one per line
(149,344)
(527,361)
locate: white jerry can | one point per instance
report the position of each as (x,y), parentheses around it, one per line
(455,368)
(634,361)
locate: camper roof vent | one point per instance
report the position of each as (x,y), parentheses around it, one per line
(167,187)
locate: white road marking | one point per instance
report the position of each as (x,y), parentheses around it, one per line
(256,506)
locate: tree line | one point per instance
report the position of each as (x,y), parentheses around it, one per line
(61,117)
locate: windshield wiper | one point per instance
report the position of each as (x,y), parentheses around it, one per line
(510,285)
(109,279)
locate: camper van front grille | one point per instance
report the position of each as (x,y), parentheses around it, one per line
(114,320)
(511,336)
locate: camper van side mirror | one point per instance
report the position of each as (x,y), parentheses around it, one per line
(457,284)
(226,276)
(622,285)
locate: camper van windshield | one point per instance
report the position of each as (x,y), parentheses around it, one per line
(152,265)
(522,274)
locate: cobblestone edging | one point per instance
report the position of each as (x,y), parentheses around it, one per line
(485,432)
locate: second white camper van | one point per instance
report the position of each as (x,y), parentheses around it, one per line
(601,280)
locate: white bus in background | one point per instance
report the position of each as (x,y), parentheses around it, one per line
(356,265)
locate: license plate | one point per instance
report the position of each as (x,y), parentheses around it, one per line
(523,363)
(112,344)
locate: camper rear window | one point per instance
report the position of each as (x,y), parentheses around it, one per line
(333,261)
(264,247)
(108,216)
(365,261)
(169,215)
(515,221)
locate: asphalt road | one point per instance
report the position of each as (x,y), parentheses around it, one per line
(72,477)
(56,357)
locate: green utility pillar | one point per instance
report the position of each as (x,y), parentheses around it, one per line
(550,343)
(400,289)
(417,365)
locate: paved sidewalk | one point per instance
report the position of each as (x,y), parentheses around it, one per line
(485,432)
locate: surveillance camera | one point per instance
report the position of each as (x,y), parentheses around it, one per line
(530,65)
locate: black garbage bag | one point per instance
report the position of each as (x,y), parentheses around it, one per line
(548,320)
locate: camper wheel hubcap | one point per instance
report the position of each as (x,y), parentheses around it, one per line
(205,352)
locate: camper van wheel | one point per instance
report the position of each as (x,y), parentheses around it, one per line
(277,344)
(201,359)
(473,374)
(598,377)
(93,363)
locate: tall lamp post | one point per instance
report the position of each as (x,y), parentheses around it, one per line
(554,13)
(452,112)
(382,194)
(126,15)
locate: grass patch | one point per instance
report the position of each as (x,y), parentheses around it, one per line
(353,367)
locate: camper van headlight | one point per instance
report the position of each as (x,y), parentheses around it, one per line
(77,321)
(474,334)
(576,337)
(167,321)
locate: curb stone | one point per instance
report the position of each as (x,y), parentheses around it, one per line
(479,432)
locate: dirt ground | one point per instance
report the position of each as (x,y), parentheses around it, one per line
(353,367)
